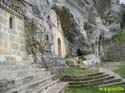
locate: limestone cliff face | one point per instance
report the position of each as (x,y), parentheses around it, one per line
(87,24)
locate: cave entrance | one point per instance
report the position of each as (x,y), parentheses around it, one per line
(59,47)
(123,21)
(69,29)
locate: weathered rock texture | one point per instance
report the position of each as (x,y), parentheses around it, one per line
(87,24)
(116,52)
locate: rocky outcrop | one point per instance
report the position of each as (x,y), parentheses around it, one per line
(115,52)
(87,24)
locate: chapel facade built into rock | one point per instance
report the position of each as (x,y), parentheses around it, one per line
(12,33)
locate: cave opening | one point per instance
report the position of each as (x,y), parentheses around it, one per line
(123,21)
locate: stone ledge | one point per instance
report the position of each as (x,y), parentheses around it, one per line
(7,8)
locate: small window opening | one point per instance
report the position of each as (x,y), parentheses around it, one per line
(11,23)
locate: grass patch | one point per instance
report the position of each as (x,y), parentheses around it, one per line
(120,66)
(107,62)
(74,71)
(121,70)
(97,90)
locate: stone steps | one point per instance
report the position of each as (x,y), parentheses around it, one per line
(93,85)
(15,62)
(29,78)
(21,80)
(83,78)
(112,81)
(91,80)
(58,88)
(95,74)
(110,84)
(96,83)
(31,84)
(43,87)
(17,67)
(19,73)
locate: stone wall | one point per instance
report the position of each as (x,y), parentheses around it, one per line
(116,52)
(12,40)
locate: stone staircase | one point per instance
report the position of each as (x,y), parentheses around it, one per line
(28,78)
(98,79)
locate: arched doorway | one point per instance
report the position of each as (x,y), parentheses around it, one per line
(59,47)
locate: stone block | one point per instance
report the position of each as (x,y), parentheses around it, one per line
(5,13)
(6,44)
(0,19)
(12,38)
(25,56)
(4,21)
(1,43)
(0,27)
(14,52)
(1,11)
(22,41)
(5,51)
(4,36)
(22,34)
(14,46)
(12,31)
(18,53)
(4,28)
(20,28)
(22,48)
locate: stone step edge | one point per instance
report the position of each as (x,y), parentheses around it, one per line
(40,88)
(91,83)
(87,75)
(21,79)
(114,80)
(57,89)
(92,80)
(92,77)
(24,63)
(16,73)
(29,66)
(34,75)
(26,69)
(116,83)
